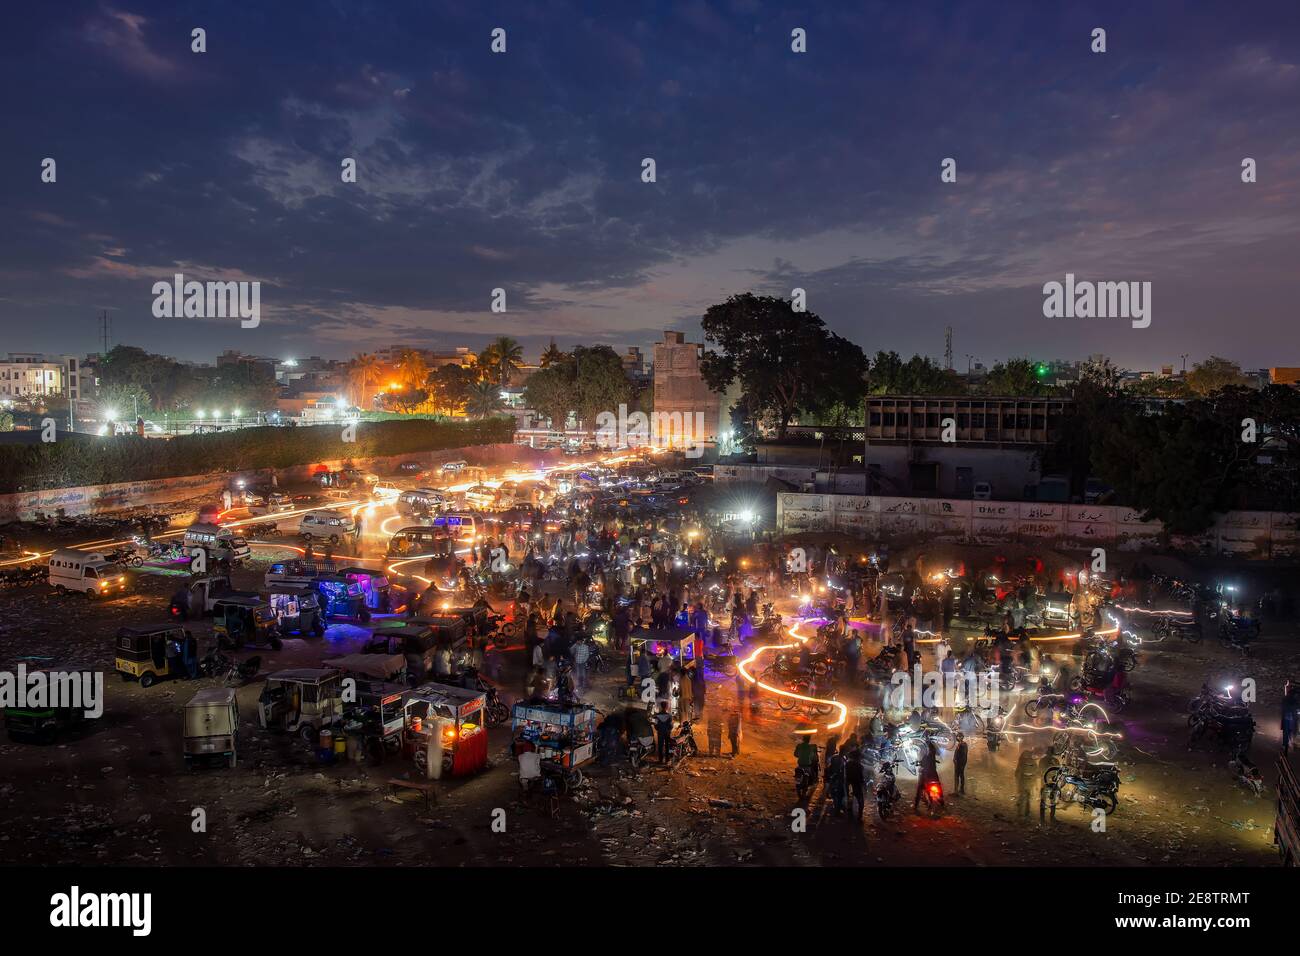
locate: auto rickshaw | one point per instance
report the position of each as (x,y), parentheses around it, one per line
(342,597)
(29,722)
(237,621)
(210,725)
(301,701)
(142,653)
(374,585)
(297,610)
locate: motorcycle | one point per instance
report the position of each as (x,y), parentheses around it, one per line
(995,730)
(1245,772)
(683,745)
(637,750)
(1236,631)
(932,794)
(1183,628)
(805,778)
(497,712)
(237,675)
(1094,787)
(886,791)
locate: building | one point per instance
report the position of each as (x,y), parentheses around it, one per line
(680,392)
(944,445)
(1284,376)
(25,375)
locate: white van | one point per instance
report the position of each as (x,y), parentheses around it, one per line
(331,526)
(86,571)
(221,544)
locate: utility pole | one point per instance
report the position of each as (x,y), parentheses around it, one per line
(968,361)
(947,350)
(1184,356)
(105,331)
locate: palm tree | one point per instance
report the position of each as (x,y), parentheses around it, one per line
(502,357)
(484,399)
(552,355)
(363,371)
(413,370)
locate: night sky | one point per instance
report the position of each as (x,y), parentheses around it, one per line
(775,170)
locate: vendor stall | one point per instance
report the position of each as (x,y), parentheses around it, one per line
(457,716)
(559,732)
(680,643)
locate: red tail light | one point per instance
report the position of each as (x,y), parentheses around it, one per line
(935,791)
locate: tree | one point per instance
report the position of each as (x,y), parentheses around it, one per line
(586,382)
(552,355)
(1213,374)
(451,387)
(785,361)
(1158,387)
(549,391)
(1015,378)
(500,358)
(363,372)
(890,375)
(412,371)
(484,399)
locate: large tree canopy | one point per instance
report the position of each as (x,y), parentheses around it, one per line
(786,362)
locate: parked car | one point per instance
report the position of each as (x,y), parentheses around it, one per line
(982,491)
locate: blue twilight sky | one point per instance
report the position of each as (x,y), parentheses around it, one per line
(775,170)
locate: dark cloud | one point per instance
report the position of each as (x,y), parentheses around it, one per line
(522,171)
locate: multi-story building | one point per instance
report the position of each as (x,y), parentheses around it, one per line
(680,391)
(25,375)
(944,445)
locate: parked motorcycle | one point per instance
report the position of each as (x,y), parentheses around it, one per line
(995,730)
(682,745)
(932,796)
(1096,787)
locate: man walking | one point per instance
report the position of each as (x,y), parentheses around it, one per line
(959,765)
(855,780)
(733,731)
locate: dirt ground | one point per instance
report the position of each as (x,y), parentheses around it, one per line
(119,793)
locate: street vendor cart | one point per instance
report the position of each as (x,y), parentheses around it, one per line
(563,734)
(447,724)
(681,646)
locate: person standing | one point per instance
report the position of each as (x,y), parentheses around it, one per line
(715,733)
(733,731)
(1290,699)
(835,778)
(581,654)
(959,757)
(1026,772)
(855,780)
(663,724)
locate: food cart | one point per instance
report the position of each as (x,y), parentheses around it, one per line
(559,732)
(457,716)
(682,645)
(374,703)
(210,725)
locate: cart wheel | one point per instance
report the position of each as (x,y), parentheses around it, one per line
(575,778)
(308,733)
(147,679)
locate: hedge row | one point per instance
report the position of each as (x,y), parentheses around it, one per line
(91,461)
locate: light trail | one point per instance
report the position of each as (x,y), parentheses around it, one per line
(742,665)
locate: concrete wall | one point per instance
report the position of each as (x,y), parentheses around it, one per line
(1250,534)
(95,499)
(1009,470)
